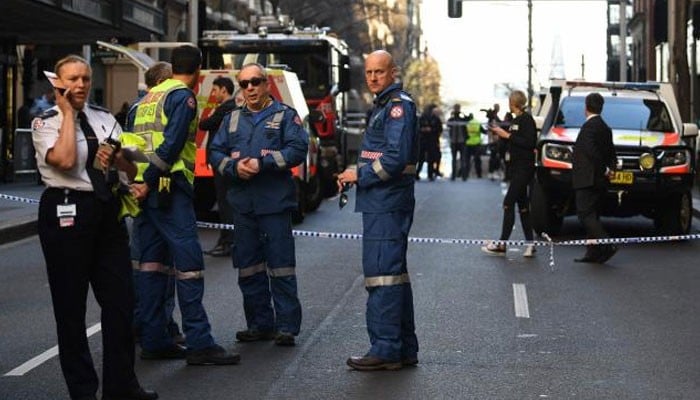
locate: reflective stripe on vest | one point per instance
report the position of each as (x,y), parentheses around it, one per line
(149,124)
(276,154)
(386,280)
(474,131)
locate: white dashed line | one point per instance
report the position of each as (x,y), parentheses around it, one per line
(520,301)
(47,355)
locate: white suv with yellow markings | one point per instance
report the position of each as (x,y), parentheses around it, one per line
(656,154)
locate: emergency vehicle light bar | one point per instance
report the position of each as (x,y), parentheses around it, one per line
(650,86)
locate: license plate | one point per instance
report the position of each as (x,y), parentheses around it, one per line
(622,178)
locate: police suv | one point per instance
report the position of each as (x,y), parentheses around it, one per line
(656,154)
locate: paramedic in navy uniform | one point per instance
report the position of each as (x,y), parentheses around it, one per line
(84,243)
(255,148)
(385,176)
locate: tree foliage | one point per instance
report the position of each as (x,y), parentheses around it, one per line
(421,78)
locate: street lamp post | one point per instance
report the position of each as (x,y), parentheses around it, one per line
(529,52)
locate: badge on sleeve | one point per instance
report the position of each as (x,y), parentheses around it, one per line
(396,112)
(191,103)
(297,120)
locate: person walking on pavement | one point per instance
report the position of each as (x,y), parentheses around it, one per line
(521,138)
(167,224)
(594,162)
(474,131)
(223,92)
(385,197)
(457,124)
(83,241)
(255,148)
(493,142)
(437,133)
(430,129)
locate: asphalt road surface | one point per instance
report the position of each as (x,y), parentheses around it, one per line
(489,327)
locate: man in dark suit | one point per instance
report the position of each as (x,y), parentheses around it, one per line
(593,164)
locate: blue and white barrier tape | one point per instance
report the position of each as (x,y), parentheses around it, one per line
(465,242)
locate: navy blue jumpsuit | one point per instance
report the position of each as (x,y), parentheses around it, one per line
(385,179)
(263,245)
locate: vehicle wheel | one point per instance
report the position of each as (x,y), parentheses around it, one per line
(205,199)
(312,193)
(675,215)
(544,218)
(298,214)
(327,173)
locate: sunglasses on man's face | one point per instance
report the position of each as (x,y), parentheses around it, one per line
(255,82)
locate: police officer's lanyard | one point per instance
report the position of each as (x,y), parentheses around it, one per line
(66,212)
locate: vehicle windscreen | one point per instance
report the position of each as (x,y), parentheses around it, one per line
(618,113)
(310,63)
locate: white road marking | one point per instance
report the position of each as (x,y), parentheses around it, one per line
(47,355)
(520,301)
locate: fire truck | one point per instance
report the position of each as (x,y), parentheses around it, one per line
(321,61)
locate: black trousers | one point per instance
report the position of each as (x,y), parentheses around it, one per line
(473,153)
(429,152)
(518,193)
(459,160)
(588,208)
(93,252)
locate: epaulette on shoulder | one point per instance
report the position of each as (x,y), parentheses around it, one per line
(51,112)
(98,108)
(401,97)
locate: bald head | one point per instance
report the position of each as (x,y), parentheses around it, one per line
(380,71)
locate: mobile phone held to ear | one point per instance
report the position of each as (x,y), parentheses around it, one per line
(53,79)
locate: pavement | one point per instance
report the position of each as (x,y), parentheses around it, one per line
(18,219)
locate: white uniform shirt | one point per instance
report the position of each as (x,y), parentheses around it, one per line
(45,134)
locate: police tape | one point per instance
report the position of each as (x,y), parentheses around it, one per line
(549,242)
(454,241)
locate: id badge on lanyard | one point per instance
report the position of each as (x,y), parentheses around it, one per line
(66,212)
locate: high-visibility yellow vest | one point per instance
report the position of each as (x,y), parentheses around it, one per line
(474,132)
(149,125)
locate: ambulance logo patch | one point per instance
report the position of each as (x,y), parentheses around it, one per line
(297,120)
(191,103)
(37,124)
(396,112)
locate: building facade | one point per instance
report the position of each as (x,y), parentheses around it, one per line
(34,34)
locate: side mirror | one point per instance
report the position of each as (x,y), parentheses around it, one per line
(454,8)
(690,130)
(316,116)
(344,74)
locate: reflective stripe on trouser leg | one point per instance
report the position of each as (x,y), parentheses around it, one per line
(195,323)
(278,246)
(152,286)
(390,322)
(255,287)
(248,257)
(172,233)
(286,303)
